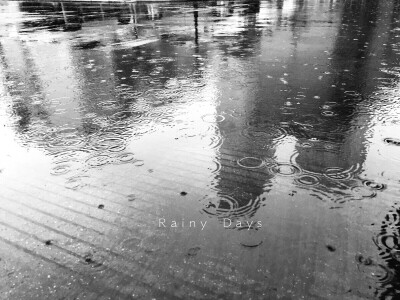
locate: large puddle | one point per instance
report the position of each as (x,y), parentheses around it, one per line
(200,150)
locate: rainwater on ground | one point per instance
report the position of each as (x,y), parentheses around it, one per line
(200,150)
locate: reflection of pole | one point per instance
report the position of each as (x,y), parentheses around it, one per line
(134,13)
(64,13)
(131,13)
(196,17)
(81,14)
(132,8)
(102,11)
(152,11)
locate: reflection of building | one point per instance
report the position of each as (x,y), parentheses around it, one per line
(71,15)
(354,67)
(267,62)
(78,81)
(21,77)
(308,87)
(68,96)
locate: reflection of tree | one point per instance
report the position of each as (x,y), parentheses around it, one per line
(348,76)
(70,15)
(98,108)
(25,86)
(156,60)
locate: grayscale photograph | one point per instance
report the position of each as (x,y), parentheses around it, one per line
(206,150)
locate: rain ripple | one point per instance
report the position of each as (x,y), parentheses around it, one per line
(337,173)
(251,162)
(262,132)
(307,180)
(285,169)
(373,270)
(227,206)
(112,143)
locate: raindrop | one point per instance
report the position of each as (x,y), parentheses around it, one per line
(387,241)
(75,182)
(226,206)
(308,180)
(98,160)
(328,113)
(373,270)
(95,261)
(330,147)
(110,143)
(154,114)
(285,169)
(363,260)
(251,243)
(65,142)
(251,162)
(337,173)
(124,158)
(131,197)
(164,120)
(193,251)
(250,236)
(363,192)
(116,148)
(60,170)
(213,140)
(69,155)
(138,163)
(151,244)
(217,166)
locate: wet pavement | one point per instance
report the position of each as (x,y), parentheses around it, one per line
(200,150)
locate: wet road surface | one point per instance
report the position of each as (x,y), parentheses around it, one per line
(200,150)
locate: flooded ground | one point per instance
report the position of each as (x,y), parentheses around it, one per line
(200,150)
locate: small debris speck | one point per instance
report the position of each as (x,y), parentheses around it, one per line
(101,206)
(88,260)
(183,193)
(330,248)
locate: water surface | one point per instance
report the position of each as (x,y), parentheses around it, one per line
(268,131)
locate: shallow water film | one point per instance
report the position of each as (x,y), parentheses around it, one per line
(200,150)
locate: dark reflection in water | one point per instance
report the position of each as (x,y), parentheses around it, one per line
(387,242)
(243,102)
